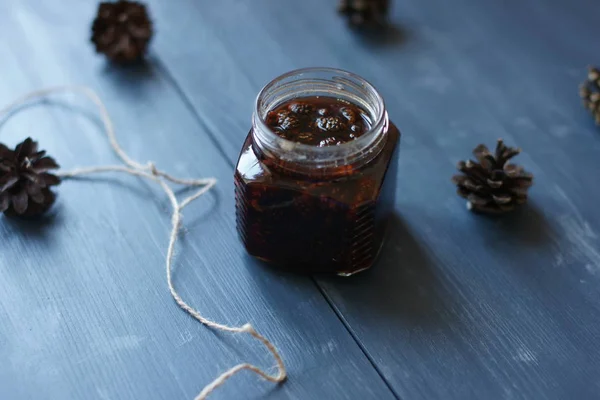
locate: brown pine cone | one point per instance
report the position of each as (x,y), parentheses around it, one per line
(492,185)
(364,12)
(122,30)
(25,181)
(590,93)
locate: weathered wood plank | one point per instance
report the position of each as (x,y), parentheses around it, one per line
(460,306)
(84,306)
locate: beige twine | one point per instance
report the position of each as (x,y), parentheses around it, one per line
(149,171)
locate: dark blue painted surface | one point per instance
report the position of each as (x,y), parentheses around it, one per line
(84,308)
(459,307)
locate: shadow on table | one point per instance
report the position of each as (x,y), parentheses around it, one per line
(401,291)
(133,82)
(35,228)
(402,286)
(126,73)
(388,35)
(203,208)
(525,226)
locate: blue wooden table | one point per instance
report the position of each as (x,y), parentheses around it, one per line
(460,306)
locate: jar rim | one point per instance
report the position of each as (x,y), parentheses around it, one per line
(379,120)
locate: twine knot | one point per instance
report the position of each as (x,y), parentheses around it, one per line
(153,169)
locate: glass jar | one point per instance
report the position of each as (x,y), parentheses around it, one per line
(316,209)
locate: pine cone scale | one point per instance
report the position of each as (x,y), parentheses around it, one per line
(477,200)
(480,150)
(10,182)
(34,178)
(514,171)
(4,202)
(459,179)
(494,184)
(49,179)
(502,200)
(37,199)
(474,171)
(28,146)
(522,181)
(462,192)
(470,185)
(19,202)
(35,193)
(44,164)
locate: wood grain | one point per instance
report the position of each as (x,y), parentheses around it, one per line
(460,306)
(84,306)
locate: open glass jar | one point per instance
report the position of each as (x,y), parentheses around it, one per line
(316,177)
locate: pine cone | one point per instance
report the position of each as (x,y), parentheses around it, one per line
(364,12)
(492,185)
(590,93)
(122,30)
(25,181)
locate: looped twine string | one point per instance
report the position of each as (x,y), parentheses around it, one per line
(151,172)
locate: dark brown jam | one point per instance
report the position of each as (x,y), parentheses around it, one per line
(315,222)
(319,121)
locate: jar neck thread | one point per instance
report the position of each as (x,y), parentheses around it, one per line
(314,160)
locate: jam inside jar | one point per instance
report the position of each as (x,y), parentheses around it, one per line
(316,178)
